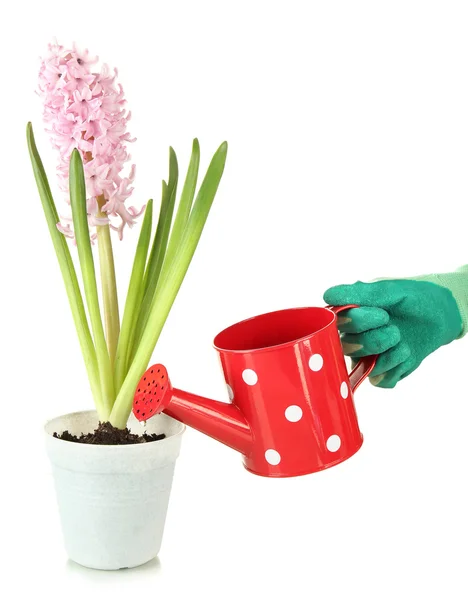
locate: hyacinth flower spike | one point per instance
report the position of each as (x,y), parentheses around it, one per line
(84,110)
(85,116)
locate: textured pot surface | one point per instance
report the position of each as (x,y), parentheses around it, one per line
(113,499)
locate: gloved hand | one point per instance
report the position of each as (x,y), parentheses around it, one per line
(401,320)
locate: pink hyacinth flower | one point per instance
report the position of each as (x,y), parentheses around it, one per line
(84,109)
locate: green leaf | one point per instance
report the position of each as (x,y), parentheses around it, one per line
(185,205)
(85,254)
(134,296)
(158,251)
(67,269)
(169,286)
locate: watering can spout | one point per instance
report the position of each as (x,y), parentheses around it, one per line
(221,421)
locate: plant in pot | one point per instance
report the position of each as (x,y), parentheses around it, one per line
(112,474)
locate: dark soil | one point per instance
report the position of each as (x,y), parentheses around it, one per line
(108,435)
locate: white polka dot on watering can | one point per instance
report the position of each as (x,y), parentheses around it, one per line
(230,392)
(315,362)
(333,443)
(250,377)
(272,457)
(293,413)
(344,390)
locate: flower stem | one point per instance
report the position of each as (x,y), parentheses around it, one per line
(109,285)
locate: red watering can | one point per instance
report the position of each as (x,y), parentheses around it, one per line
(292,410)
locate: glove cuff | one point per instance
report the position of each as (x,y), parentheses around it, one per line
(457,284)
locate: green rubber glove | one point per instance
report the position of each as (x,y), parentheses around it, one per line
(401,320)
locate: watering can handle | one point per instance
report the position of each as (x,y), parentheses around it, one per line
(365,364)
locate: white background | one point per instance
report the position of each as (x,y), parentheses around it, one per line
(347,125)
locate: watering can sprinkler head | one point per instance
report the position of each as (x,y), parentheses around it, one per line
(153,394)
(292,409)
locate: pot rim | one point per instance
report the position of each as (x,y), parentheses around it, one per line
(168,437)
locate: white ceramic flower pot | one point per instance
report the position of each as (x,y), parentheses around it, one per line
(113,499)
